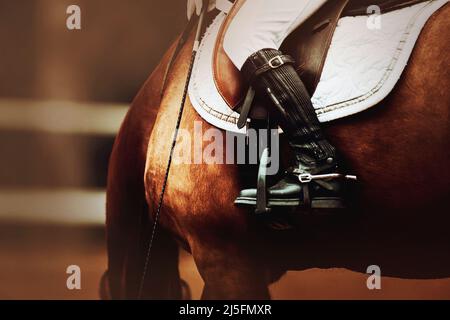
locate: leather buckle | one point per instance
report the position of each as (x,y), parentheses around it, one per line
(305,178)
(279,62)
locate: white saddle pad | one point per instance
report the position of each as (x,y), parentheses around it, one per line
(362,67)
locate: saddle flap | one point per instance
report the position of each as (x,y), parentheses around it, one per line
(310,42)
(226,76)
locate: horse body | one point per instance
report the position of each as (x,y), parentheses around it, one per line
(399,150)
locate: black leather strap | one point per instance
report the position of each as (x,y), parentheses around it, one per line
(246,106)
(263,61)
(306,195)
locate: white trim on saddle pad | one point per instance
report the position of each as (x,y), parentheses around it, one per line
(362,67)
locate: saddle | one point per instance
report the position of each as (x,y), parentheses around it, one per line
(308,44)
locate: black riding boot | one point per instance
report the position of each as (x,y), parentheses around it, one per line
(311,181)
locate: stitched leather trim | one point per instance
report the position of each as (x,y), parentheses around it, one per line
(219,56)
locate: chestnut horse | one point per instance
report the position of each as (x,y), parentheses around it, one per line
(400,151)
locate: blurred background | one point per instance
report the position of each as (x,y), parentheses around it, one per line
(63,95)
